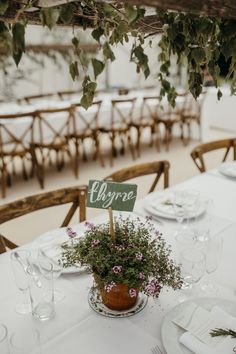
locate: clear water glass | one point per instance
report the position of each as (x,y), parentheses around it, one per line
(193,264)
(184,241)
(213,250)
(41,289)
(53,253)
(20,261)
(4,349)
(203,222)
(25,341)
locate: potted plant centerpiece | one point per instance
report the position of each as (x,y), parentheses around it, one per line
(136,259)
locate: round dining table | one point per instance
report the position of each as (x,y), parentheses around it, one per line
(77,328)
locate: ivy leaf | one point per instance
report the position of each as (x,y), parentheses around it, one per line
(107,52)
(74,71)
(97,33)
(18,40)
(5,37)
(141,59)
(199,55)
(130,12)
(219,94)
(3,6)
(98,67)
(67,13)
(49,16)
(89,88)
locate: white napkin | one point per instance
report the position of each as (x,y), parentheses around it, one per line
(228,168)
(224,346)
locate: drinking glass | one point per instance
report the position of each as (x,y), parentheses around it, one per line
(54,254)
(20,262)
(41,289)
(213,250)
(4,349)
(193,263)
(204,221)
(184,242)
(25,341)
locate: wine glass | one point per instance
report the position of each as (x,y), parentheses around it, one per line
(25,340)
(204,221)
(20,262)
(54,254)
(213,249)
(193,263)
(4,349)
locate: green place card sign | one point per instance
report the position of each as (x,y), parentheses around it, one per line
(119,196)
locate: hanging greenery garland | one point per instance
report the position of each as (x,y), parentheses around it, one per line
(197,40)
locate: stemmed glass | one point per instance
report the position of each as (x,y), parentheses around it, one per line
(203,222)
(54,254)
(25,341)
(20,262)
(213,250)
(193,263)
(4,349)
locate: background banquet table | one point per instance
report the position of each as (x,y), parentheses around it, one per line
(76,328)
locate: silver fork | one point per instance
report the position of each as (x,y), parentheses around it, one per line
(156,350)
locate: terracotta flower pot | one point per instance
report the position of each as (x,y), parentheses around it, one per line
(118,298)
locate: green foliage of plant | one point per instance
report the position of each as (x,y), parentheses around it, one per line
(139,258)
(199,41)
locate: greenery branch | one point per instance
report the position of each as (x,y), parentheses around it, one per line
(199,41)
(223,332)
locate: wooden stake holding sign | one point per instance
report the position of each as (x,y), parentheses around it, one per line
(111,196)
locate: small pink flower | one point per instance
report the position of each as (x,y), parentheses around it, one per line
(153,288)
(90,225)
(119,248)
(132,292)
(139,256)
(109,286)
(70,232)
(117,269)
(95,243)
(141,275)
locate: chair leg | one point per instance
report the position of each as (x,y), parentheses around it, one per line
(99,154)
(39,169)
(131,146)
(138,141)
(4,184)
(25,175)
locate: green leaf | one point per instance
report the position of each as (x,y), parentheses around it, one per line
(199,55)
(98,67)
(74,71)
(130,12)
(89,88)
(3,6)
(49,16)
(107,52)
(18,40)
(67,12)
(219,94)
(97,33)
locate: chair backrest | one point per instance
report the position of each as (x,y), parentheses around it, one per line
(149,107)
(122,111)
(16,209)
(16,132)
(157,167)
(198,152)
(53,124)
(65,95)
(86,119)
(35,98)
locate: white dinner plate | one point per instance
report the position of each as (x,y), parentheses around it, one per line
(58,237)
(170,332)
(154,208)
(228,169)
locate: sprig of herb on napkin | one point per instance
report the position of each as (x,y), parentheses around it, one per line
(223,332)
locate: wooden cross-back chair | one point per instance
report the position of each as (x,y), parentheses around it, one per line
(191,113)
(74,195)
(199,151)
(169,116)
(53,127)
(160,168)
(148,119)
(86,126)
(65,95)
(16,135)
(35,98)
(119,126)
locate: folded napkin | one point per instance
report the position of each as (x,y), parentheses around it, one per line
(214,345)
(228,168)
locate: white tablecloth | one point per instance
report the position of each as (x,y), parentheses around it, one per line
(77,329)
